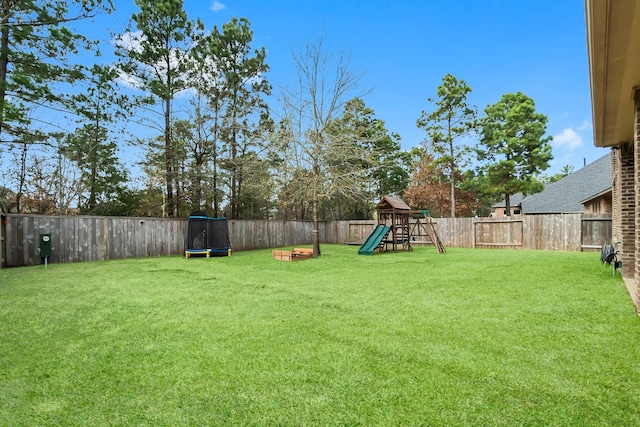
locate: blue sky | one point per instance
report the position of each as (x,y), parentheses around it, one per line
(404,48)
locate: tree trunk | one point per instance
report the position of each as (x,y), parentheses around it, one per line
(453,196)
(507,200)
(168,158)
(316,195)
(93,164)
(22,178)
(316,234)
(178,173)
(234,175)
(452,173)
(239,172)
(91,203)
(216,203)
(197,196)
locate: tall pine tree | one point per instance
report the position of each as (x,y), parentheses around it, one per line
(156,58)
(514,148)
(35,43)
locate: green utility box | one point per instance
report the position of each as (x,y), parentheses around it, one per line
(45,245)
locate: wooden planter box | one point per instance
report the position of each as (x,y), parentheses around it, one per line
(296,254)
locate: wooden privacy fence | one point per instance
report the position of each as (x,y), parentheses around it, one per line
(264,234)
(85,238)
(555,232)
(88,238)
(564,232)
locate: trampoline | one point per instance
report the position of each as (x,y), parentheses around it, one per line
(207,236)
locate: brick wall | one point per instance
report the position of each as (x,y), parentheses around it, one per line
(635,260)
(616,195)
(627,231)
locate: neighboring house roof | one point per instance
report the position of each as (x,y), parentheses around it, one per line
(568,194)
(514,200)
(595,196)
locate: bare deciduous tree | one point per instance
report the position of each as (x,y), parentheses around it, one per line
(331,160)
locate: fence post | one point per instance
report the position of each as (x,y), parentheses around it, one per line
(3,224)
(473,230)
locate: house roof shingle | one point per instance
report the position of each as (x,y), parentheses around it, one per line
(567,194)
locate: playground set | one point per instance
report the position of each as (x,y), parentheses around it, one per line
(399,227)
(207,236)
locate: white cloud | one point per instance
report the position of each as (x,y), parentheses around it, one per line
(133,41)
(127,80)
(586,125)
(130,41)
(569,139)
(217,6)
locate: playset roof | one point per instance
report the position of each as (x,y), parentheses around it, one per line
(390,202)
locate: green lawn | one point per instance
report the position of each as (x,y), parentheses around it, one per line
(467,338)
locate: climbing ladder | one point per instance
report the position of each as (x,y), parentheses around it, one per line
(433,235)
(424,226)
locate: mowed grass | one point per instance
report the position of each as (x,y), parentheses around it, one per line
(470,337)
